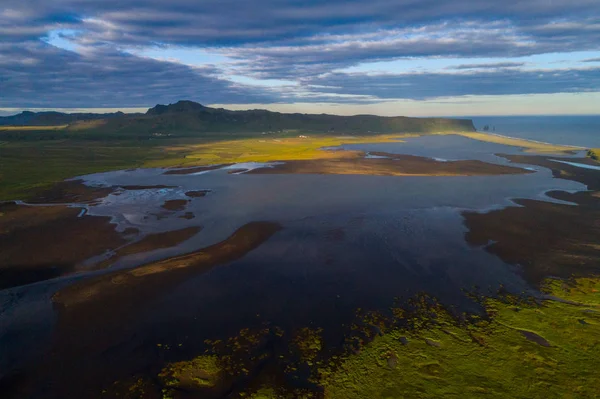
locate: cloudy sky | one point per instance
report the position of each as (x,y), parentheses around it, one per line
(388,57)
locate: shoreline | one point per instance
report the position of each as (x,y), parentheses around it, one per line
(530,146)
(534,141)
(94,315)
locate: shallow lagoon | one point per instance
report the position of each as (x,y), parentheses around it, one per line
(347,242)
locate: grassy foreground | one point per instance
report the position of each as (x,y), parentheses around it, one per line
(523,349)
(594,153)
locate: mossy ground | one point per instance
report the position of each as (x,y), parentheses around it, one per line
(29,166)
(521,348)
(203,372)
(488,358)
(594,153)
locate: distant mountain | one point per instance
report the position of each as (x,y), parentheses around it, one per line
(187,118)
(51,118)
(178,107)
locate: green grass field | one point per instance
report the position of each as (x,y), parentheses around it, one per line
(491,358)
(31,128)
(594,153)
(29,165)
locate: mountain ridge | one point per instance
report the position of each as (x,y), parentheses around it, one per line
(188,117)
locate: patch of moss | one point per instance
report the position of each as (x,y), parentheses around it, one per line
(594,153)
(490,357)
(308,343)
(197,374)
(522,347)
(263,393)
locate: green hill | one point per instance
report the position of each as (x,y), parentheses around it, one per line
(190,119)
(186,117)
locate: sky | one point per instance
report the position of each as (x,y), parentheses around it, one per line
(386,57)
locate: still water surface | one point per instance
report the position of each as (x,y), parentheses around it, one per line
(347,242)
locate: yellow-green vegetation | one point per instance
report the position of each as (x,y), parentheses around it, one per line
(308,343)
(271,149)
(524,350)
(524,347)
(203,372)
(263,393)
(29,165)
(31,128)
(594,153)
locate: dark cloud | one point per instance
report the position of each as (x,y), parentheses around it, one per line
(495,65)
(35,74)
(235,22)
(421,86)
(301,40)
(592,60)
(465,39)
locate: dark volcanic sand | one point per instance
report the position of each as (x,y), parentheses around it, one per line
(589,177)
(175,205)
(95,314)
(152,242)
(197,193)
(42,242)
(546,239)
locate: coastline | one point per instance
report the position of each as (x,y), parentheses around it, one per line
(531,146)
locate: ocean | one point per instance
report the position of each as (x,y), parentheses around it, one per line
(575,130)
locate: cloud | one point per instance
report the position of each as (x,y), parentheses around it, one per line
(466,39)
(239,22)
(304,41)
(592,60)
(420,86)
(36,74)
(495,65)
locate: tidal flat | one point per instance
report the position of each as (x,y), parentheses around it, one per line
(413,266)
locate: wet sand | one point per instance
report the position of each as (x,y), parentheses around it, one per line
(136,187)
(175,205)
(151,242)
(195,169)
(392,165)
(560,170)
(545,239)
(47,238)
(88,350)
(197,193)
(528,145)
(42,242)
